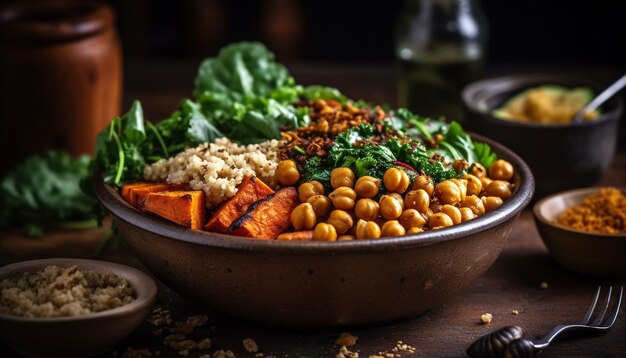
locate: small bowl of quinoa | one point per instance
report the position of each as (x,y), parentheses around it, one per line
(585,229)
(71,307)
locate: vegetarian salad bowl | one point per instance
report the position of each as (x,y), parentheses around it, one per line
(322,283)
(298,206)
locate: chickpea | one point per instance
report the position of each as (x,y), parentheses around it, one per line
(478,170)
(448,192)
(367,230)
(393,228)
(307,190)
(453,212)
(462,184)
(303,217)
(321,205)
(474,204)
(341,220)
(324,232)
(411,218)
(474,185)
(341,177)
(466,214)
(485,181)
(398,197)
(367,209)
(417,199)
(424,182)
(498,188)
(287,172)
(343,198)
(439,220)
(501,170)
(390,207)
(491,202)
(396,180)
(367,187)
(345,238)
(414,230)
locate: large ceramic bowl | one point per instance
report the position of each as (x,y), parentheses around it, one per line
(322,283)
(561,156)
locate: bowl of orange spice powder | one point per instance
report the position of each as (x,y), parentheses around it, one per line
(585,229)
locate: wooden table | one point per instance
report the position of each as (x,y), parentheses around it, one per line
(512,283)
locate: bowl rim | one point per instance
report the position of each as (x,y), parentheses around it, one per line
(144,298)
(110,199)
(473,90)
(587,190)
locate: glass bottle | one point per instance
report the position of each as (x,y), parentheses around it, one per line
(440,46)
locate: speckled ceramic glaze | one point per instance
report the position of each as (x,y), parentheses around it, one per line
(322,283)
(79,336)
(583,252)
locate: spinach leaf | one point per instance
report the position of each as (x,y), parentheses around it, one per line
(44,191)
(241,70)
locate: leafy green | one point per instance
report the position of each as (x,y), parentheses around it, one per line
(242,94)
(119,147)
(456,143)
(370,158)
(44,191)
(242,70)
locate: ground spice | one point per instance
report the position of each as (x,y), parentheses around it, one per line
(603,212)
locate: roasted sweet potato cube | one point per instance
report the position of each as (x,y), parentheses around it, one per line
(268,217)
(126,189)
(249,192)
(139,194)
(186,208)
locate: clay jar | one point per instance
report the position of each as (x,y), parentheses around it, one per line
(60,77)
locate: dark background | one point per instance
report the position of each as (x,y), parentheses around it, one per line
(554,32)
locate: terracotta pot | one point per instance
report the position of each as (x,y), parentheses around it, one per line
(61,71)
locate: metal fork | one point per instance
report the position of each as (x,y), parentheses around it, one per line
(507,341)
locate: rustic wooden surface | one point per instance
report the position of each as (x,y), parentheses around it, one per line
(512,283)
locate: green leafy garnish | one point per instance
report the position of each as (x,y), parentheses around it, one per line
(44,191)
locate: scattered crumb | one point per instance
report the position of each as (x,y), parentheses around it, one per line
(543,285)
(184,352)
(344,352)
(160,317)
(197,320)
(223,354)
(204,344)
(401,346)
(515,312)
(250,345)
(182,328)
(346,339)
(486,318)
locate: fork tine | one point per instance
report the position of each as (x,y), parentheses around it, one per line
(587,317)
(598,320)
(616,306)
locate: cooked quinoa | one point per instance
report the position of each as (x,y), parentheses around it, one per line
(603,212)
(57,292)
(217,168)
